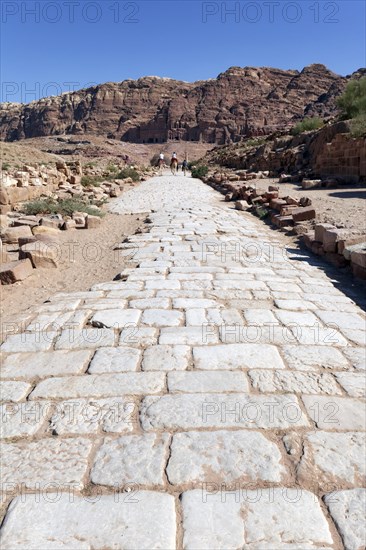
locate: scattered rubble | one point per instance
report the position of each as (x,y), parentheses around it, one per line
(340,246)
(33,236)
(283,212)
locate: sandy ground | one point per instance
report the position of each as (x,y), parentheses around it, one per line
(86,257)
(342,206)
(96,149)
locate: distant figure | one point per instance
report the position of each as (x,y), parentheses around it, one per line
(185,166)
(161,163)
(174,164)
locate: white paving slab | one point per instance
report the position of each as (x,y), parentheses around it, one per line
(195,401)
(136,521)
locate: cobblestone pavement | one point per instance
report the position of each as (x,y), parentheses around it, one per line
(211,398)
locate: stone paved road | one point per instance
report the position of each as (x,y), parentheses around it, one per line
(212,398)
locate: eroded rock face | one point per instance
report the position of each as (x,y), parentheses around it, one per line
(239,102)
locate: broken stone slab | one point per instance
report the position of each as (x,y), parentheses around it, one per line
(347,509)
(358,255)
(347,242)
(15,271)
(282,221)
(22,221)
(336,413)
(358,271)
(242,205)
(12,234)
(68,224)
(310,184)
(41,254)
(49,232)
(285,178)
(303,213)
(26,240)
(324,459)
(225,456)
(331,238)
(320,229)
(51,222)
(93,221)
(277,204)
(265,519)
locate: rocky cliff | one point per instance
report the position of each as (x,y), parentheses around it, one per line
(240,102)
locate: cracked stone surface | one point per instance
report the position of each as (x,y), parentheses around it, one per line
(297,382)
(166,358)
(324,457)
(123,359)
(209,398)
(274,518)
(59,461)
(11,390)
(347,509)
(224,456)
(138,459)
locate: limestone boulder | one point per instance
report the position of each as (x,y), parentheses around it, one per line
(12,234)
(13,272)
(41,254)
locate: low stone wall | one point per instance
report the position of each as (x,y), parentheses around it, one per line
(343,157)
(329,152)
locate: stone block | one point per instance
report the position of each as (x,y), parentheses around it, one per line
(50,222)
(5,208)
(358,271)
(282,221)
(41,254)
(358,255)
(93,221)
(302,214)
(342,244)
(310,184)
(15,271)
(12,234)
(69,224)
(292,201)
(320,229)
(338,260)
(145,521)
(287,209)
(331,237)
(43,230)
(4,196)
(242,205)
(276,204)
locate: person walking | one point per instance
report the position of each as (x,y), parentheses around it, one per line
(161,163)
(185,166)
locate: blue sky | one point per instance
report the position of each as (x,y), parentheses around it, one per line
(49,46)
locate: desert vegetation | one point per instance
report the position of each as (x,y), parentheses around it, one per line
(353,106)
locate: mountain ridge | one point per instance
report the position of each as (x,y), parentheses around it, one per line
(240,102)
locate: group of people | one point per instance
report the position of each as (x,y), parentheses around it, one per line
(173,161)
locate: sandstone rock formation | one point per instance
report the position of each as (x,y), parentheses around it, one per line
(240,102)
